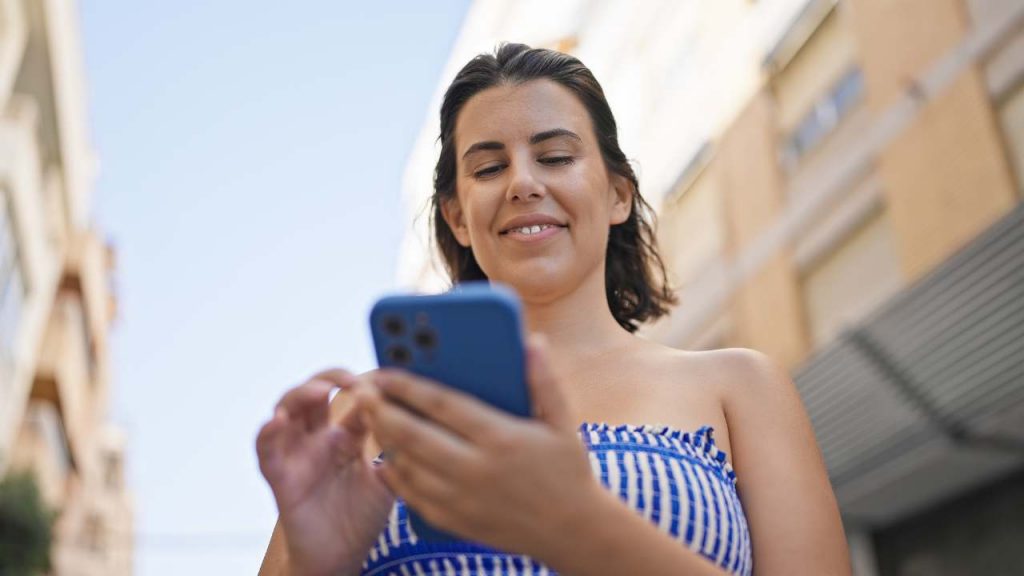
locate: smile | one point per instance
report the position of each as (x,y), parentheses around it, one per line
(532,229)
(533,233)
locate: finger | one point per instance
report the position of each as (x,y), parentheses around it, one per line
(344,444)
(268,444)
(343,401)
(465,415)
(347,431)
(341,378)
(309,402)
(353,419)
(422,489)
(355,422)
(546,395)
(418,440)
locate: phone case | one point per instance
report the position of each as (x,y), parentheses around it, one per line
(470,338)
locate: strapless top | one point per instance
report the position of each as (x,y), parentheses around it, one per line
(679,481)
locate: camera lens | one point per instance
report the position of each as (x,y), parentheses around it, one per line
(425,338)
(393,326)
(399,355)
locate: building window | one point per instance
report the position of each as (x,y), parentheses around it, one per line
(12,286)
(79,322)
(94,534)
(691,230)
(46,419)
(1012,118)
(852,280)
(113,471)
(824,116)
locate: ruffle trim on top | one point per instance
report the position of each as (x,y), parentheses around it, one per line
(702,440)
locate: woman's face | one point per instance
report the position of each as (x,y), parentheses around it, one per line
(534,200)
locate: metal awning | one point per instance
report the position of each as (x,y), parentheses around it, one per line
(924,398)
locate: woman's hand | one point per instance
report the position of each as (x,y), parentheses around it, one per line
(468,468)
(332,504)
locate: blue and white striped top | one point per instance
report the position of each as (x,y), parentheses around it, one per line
(680,481)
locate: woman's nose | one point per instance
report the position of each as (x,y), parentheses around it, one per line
(524,184)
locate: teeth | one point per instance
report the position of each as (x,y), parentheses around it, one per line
(531,229)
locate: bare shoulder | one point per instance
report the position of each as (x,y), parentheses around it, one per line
(712,387)
(758,396)
(743,366)
(743,376)
(731,374)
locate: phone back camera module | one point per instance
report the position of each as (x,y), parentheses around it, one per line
(394,326)
(399,354)
(425,338)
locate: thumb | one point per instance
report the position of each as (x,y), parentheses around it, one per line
(350,435)
(546,396)
(353,420)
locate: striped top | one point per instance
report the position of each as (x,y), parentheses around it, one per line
(680,481)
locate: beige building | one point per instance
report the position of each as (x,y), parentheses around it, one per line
(839,185)
(860,220)
(56,299)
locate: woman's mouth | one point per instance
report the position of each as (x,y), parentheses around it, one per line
(533,233)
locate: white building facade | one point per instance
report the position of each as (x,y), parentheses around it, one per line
(56,295)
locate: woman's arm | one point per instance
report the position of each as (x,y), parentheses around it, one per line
(791,510)
(275,561)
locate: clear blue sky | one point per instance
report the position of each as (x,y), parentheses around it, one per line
(251,160)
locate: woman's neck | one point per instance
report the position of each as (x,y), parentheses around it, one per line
(578,325)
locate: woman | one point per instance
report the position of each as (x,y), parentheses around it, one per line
(532,190)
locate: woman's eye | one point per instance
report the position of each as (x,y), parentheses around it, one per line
(557,160)
(489,171)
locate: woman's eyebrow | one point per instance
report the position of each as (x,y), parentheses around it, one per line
(535,139)
(486,145)
(554,133)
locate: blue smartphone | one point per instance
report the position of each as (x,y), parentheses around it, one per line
(470,338)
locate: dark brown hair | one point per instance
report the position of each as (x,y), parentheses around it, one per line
(635,279)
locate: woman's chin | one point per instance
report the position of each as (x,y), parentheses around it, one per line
(535,282)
